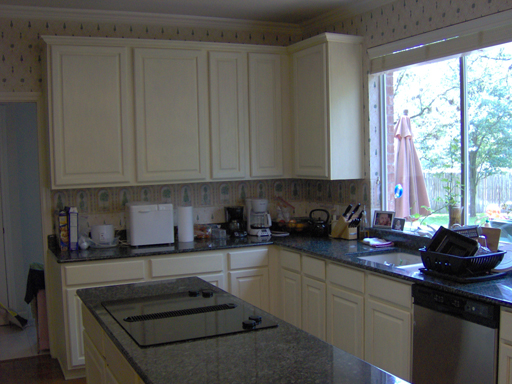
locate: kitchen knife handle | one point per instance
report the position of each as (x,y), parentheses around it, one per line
(354,211)
(349,207)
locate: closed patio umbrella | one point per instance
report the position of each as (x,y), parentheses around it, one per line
(408,173)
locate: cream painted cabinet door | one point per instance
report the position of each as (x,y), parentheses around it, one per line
(345,320)
(291,297)
(328,99)
(90,109)
(228,114)
(171,115)
(388,338)
(505,363)
(313,307)
(265,124)
(251,285)
(95,369)
(310,112)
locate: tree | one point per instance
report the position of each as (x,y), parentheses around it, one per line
(431,93)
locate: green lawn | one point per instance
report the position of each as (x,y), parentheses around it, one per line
(438,219)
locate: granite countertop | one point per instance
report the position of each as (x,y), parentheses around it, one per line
(284,354)
(497,291)
(126,251)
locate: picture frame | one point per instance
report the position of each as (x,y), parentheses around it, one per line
(398,224)
(383,219)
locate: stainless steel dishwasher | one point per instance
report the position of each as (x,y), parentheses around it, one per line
(455,339)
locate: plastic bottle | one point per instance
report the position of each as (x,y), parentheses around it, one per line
(487,223)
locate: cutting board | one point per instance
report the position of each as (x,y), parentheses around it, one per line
(493,237)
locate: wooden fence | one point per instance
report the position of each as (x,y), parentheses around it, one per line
(495,189)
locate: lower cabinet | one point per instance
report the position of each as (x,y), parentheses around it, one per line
(313,307)
(291,299)
(105,364)
(248,279)
(367,315)
(388,325)
(505,348)
(345,309)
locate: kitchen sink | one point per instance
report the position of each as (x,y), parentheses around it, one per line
(400,260)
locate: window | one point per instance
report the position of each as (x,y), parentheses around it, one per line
(460,112)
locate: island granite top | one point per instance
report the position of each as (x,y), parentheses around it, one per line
(284,354)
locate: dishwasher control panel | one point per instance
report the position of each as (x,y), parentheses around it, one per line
(481,312)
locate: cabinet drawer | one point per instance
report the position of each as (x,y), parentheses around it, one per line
(186,265)
(346,277)
(390,290)
(506,325)
(290,260)
(313,267)
(248,259)
(104,272)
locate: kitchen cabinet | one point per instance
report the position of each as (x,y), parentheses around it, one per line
(367,315)
(265,112)
(171,126)
(345,309)
(327,107)
(313,296)
(290,287)
(388,325)
(313,307)
(105,364)
(505,347)
(228,114)
(89,112)
(249,276)
(138,112)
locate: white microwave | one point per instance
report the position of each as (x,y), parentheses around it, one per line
(149,223)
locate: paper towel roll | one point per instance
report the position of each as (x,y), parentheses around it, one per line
(185,224)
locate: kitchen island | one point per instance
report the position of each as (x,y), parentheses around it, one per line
(303,280)
(284,354)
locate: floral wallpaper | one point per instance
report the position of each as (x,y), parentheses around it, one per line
(21,52)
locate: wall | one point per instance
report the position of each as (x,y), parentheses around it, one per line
(389,23)
(21,71)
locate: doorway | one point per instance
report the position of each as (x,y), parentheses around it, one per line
(21,241)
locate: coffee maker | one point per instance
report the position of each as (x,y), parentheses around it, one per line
(258,219)
(235,221)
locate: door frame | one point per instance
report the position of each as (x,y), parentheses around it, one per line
(44,180)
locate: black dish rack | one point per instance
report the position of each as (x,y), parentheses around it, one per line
(460,265)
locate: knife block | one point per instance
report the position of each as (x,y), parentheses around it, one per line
(349,233)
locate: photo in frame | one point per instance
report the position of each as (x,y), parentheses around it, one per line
(383,219)
(398,224)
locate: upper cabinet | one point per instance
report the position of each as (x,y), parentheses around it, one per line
(137,112)
(91,139)
(171,115)
(228,114)
(265,109)
(327,107)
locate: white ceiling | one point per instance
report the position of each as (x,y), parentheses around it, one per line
(282,11)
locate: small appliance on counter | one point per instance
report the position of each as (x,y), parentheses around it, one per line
(149,223)
(258,219)
(319,224)
(235,221)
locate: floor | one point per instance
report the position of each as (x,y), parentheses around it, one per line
(17,342)
(20,361)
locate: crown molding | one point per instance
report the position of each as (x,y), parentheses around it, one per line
(47,13)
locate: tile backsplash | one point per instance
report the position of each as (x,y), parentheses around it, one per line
(107,205)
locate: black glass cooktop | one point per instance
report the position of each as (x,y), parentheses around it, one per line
(184,316)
